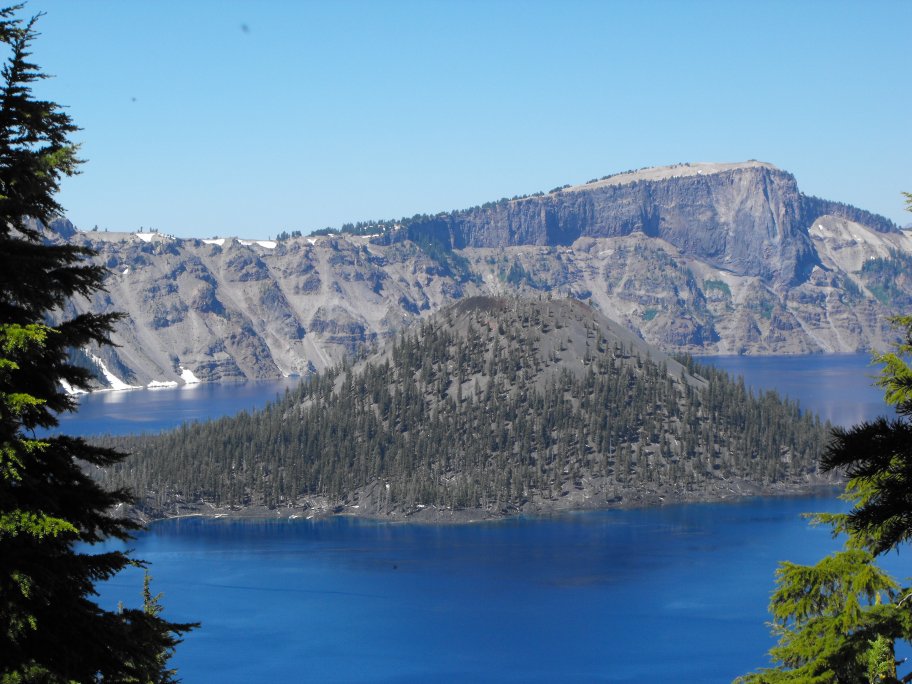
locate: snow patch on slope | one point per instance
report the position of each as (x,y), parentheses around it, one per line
(69,389)
(267,244)
(150,236)
(188,377)
(155,384)
(115,383)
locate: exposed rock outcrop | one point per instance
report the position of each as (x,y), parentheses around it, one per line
(747,218)
(703,258)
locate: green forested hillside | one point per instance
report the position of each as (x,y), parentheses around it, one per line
(493,404)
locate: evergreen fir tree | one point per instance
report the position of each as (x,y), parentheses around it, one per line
(839,620)
(877,458)
(50,508)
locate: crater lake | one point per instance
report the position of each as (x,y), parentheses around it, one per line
(676,593)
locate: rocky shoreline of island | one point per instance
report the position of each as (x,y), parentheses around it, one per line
(317,508)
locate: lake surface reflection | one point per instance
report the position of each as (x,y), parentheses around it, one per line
(677,593)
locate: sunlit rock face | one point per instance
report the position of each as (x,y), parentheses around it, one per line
(699,258)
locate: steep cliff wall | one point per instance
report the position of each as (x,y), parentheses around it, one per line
(699,258)
(749,218)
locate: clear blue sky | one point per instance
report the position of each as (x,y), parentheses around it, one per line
(205,118)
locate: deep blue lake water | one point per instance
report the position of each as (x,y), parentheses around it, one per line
(673,594)
(677,593)
(836,386)
(153,410)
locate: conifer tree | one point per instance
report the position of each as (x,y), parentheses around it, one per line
(877,458)
(839,620)
(50,508)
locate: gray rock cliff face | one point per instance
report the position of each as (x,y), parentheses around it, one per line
(703,258)
(748,219)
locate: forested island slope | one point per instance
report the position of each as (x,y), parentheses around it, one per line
(492,406)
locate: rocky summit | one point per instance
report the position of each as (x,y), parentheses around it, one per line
(699,258)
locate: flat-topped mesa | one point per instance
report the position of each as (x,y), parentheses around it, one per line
(662,173)
(744,218)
